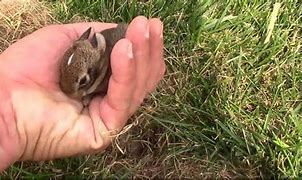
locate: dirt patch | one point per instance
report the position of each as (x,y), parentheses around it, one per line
(18,18)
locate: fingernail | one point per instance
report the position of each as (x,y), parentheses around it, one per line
(162,31)
(147,30)
(129,50)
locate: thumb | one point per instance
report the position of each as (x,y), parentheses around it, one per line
(114,107)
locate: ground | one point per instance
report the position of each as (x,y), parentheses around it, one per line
(229,105)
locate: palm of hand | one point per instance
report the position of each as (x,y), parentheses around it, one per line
(35,62)
(47,121)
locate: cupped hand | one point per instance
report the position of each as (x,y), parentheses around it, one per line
(39,122)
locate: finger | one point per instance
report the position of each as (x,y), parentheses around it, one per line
(114,108)
(156,54)
(138,34)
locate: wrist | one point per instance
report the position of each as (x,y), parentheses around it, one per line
(9,139)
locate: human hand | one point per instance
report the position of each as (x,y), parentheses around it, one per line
(39,122)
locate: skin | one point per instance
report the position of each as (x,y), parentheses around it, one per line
(39,122)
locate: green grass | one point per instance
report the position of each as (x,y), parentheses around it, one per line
(229,105)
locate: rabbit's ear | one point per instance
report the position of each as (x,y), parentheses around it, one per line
(85,35)
(98,41)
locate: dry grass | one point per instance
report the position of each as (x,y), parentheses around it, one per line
(19,18)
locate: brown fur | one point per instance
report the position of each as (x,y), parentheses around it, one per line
(88,58)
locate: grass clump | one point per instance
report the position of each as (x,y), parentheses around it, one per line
(19,18)
(229,105)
